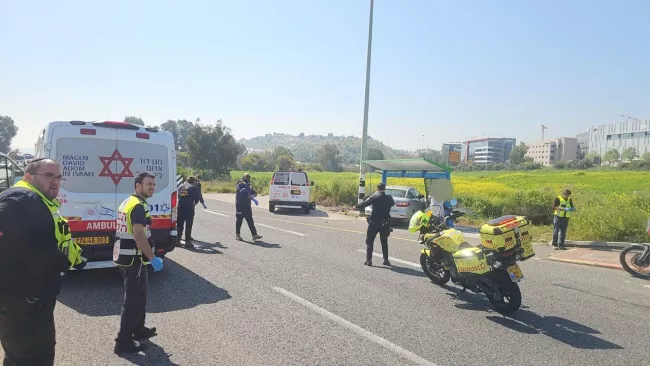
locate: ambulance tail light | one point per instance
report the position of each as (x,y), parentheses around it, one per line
(88,131)
(174,210)
(142,135)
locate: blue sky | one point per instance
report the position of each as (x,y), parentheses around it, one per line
(446,69)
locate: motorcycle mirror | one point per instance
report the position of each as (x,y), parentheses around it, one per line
(453,202)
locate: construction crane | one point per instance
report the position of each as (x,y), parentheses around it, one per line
(544,128)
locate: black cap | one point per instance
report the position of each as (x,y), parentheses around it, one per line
(381,186)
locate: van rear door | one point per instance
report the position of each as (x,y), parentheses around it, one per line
(91,165)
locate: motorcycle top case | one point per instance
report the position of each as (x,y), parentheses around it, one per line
(499,234)
(471,261)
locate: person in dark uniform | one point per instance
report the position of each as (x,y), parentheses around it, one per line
(379,222)
(245,194)
(188,197)
(132,252)
(31,265)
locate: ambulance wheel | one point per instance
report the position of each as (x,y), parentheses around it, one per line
(271,208)
(306,210)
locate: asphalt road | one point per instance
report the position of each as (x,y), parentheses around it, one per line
(302,296)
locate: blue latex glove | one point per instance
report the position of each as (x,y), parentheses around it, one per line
(571,209)
(157,264)
(256,203)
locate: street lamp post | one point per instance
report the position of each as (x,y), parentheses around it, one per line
(364,136)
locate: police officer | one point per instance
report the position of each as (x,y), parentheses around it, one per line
(132,252)
(562,209)
(35,250)
(188,197)
(245,194)
(379,222)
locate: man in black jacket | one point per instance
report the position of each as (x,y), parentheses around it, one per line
(379,222)
(31,265)
(188,197)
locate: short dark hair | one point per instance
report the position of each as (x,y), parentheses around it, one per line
(567,192)
(381,186)
(141,176)
(198,177)
(191,180)
(35,165)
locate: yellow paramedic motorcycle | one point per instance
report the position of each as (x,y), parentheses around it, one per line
(490,268)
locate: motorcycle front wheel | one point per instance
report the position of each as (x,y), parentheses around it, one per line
(640,267)
(510,294)
(434,270)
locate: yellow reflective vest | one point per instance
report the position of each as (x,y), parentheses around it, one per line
(563,203)
(61,228)
(125,248)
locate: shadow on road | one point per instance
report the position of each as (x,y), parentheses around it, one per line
(263,244)
(523,321)
(285,211)
(405,271)
(154,355)
(564,330)
(100,292)
(202,247)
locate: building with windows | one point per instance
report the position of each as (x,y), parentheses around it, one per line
(487,150)
(549,152)
(451,153)
(619,135)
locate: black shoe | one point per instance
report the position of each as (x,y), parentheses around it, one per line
(561,247)
(368,263)
(386,262)
(188,244)
(123,347)
(145,333)
(554,246)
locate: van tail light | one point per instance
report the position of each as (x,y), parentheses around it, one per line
(402,204)
(88,131)
(142,135)
(174,210)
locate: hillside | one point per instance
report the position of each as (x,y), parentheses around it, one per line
(304,146)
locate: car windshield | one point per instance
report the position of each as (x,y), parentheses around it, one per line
(396,193)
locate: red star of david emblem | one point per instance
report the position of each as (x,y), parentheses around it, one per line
(107,172)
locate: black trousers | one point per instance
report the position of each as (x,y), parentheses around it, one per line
(27,331)
(185,221)
(560,226)
(245,212)
(371,234)
(135,300)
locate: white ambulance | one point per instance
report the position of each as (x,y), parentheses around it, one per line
(99,162)
(291,189)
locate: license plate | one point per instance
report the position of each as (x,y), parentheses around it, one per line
(91,240)
(296,192)
(515,273)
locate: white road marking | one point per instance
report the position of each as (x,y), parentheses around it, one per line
(280,229)
(357,329)
(215,213)
(396,260)
(646,286)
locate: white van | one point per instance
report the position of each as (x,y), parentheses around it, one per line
(99,162)
(290,189)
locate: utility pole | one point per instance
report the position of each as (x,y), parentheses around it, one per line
(364,136)
(543,129)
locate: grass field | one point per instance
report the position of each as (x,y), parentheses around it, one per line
(610,205)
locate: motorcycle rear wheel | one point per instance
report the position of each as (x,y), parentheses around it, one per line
(439,277)
(635,260)
(509,291)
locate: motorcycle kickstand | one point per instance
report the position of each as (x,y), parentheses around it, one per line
(459,293)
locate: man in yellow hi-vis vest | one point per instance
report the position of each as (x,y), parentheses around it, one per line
(133,250)
(35,250)
(562,209)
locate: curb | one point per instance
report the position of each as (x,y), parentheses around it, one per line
(585,263)
(595,244)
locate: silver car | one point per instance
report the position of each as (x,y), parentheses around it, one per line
(408,201)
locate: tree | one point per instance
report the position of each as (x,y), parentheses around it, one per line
(646,156)
(8,131)
(285,162)
(134,120)
(213,148)
(279,151)
(14,153)
(328,155)
(629,154)
(591,156)
(375,154)
(518,154)
(255,162)
(611,155)
(180,130)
